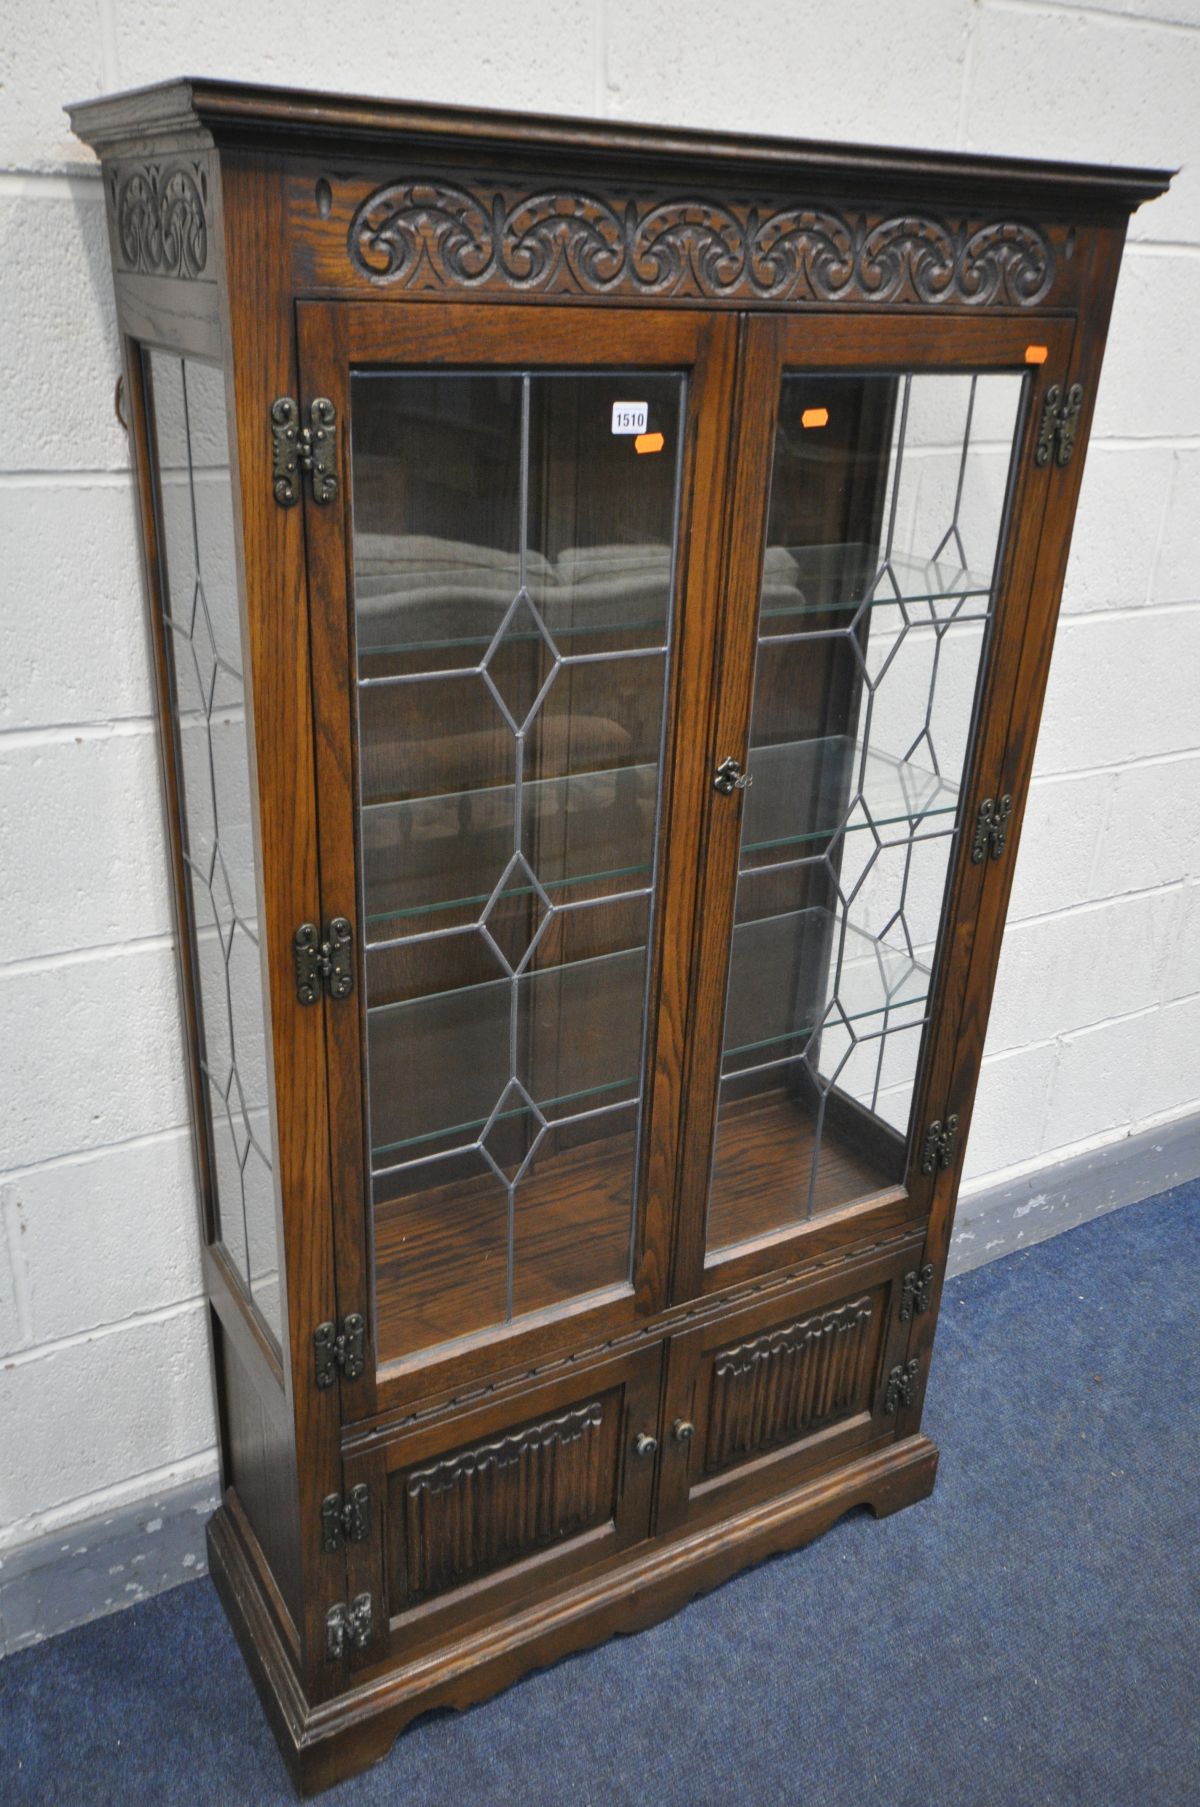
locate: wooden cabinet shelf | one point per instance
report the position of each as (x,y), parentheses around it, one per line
(599,636)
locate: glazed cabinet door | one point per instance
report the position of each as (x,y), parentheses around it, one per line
(512,597)
(887,512)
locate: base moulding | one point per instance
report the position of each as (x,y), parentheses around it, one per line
(325,1743)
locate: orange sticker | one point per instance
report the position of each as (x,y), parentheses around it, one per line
(815,417)
(1035,354)
(648,442)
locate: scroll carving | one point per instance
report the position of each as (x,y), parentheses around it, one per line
(500,1501)
(162,218)
(436,235)
(788,1382)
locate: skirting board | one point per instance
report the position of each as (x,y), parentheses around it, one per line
(110,1561)
(69,1577)
(1001,1219)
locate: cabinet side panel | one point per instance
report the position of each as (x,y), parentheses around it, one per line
(163,211)
(261,366)
(259,1469)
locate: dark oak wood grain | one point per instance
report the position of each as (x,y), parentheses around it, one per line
(672,1351)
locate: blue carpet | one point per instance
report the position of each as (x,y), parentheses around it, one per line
(1031,1634)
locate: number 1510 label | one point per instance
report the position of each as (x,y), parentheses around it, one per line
(630,417)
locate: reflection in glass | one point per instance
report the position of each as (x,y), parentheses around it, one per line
(204,655)
(883,537)
(514,571)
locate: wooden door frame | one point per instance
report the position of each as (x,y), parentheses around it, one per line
(855,343)
(332,338)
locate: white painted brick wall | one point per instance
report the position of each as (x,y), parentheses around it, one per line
(104,1391)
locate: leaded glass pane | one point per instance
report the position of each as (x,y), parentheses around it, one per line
(514,573)
(883,541)
(204,651)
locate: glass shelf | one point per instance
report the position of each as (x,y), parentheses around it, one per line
(780,984)
(631,596)
(836,579)
(564,638)
(587,827)
(801,792)
(781,980)
(593,827)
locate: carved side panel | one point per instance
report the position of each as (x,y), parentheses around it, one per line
(779,1386)
(492,1504)
(161,217)
(432,234)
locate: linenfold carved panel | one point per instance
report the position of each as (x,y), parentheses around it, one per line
(501,1500)
(161,216)
(778,1386)
(431,234)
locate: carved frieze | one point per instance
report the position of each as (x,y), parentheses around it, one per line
(161,217)
(433,234)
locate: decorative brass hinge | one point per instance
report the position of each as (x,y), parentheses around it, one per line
(342,1349)
(991,828)
(348,1625)
(347,1521)
(331,960)
(1058,425)
(916,1291)
(296,448)
(937,1150)
(901,1385)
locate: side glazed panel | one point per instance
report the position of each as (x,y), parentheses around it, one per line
(205,665)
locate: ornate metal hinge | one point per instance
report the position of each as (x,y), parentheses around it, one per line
(348,1625)
(331,960)
(937,1150)
(296,448)
(1058,425)
(342,1349)
(901,1385)
(991,828)
(347,1521)
(916,1292)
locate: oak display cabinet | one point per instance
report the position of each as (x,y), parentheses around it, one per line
(602,583)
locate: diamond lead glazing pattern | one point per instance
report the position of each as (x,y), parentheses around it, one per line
(200,613)
(896,629)
(547,914)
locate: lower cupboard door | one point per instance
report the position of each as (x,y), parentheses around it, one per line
(480,1512)
(780,1390)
